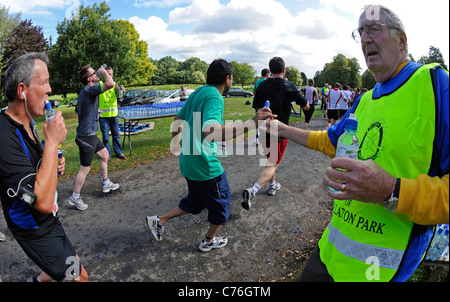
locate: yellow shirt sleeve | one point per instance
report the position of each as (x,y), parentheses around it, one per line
(424,199)
(319,141)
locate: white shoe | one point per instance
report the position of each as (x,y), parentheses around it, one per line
(155,226)
(216,243)
(273,189)
(110,187)
(78,203)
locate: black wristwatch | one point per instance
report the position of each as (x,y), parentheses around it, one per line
(392,202)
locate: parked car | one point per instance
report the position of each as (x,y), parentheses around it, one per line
(172,96)
(129,96)
(147,97)
(73,102)
(55,103)
(235,91)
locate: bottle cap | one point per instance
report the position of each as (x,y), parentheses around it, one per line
(48,105)
(351,123)
(267,104)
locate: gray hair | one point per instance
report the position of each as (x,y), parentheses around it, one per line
(389,18)
(21,71)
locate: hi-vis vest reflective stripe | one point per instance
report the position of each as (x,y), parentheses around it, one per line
(365,242)
(107,103)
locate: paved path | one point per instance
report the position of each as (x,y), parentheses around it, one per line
(269,242)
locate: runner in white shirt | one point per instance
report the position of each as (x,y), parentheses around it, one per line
(343,104)
(335,96)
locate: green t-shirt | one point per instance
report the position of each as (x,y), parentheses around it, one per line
(258,82)
(198,161)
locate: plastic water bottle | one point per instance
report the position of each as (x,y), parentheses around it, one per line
(439,245)
(266,105)
(348,143)
(60,153)
(50,113)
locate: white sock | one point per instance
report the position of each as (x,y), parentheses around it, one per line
(256,188)
(106,181)
(75,196)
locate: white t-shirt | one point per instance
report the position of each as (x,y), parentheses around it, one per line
(335,96)
(342,104)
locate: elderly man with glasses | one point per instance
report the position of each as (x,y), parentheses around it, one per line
(393,194)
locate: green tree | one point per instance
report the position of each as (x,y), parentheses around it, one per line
(198,77)
(434,56)
(304,79)
(22,39)
(194,64)
(342,70)
(166,69)
(243,73)
(93,38)
(7,23)
(294,75)
(368,81)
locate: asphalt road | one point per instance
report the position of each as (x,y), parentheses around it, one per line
(271,242)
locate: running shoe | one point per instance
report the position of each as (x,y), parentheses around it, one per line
(2,237)
(216,243)
(78,203)
(155,226)
(248,195)
(273,189)
(110,187)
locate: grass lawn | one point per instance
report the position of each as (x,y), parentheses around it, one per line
(147,146)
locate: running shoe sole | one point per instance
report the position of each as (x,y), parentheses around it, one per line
(247,195)
(152,223)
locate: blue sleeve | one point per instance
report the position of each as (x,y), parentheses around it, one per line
(335,131)
(440,164)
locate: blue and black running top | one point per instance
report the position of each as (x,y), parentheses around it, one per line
(19,158)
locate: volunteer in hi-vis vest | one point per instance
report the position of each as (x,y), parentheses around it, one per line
(365,241)
(393,194)
(109,118)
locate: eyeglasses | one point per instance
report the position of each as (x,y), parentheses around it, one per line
(92,74)
(373,31)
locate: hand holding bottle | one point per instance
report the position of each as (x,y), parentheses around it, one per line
(54,127)
(364,181)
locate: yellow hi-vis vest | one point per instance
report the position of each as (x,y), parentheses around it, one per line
(365,242)
(107,103)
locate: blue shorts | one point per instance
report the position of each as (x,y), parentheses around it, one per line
(213,194)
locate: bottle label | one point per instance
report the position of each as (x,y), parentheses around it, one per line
(347,151)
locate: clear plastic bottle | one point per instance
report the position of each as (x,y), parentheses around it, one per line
(439,243)
(348,143)
(50,113)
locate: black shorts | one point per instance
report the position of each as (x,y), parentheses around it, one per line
(309,113)
(342,112)
(51,252)
(333,114)
(88,146)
